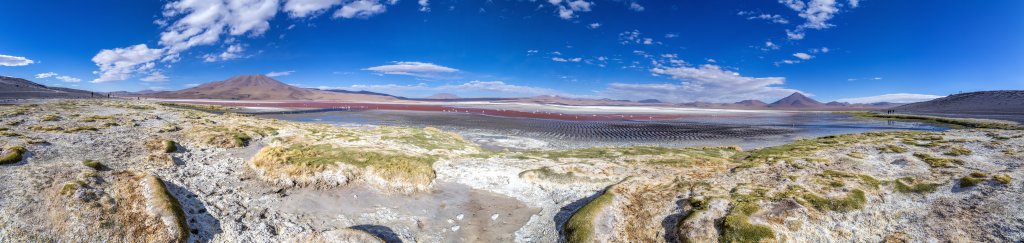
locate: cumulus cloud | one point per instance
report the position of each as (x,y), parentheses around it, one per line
(54,75)
(279,74)
(636,7)
(154,77)
(204,22)
(816,14)
(120,63)
(233,52)
(424,5)
(803,56)
(634,37)
(893,98)
(14,61)
(567,9)
(774,18)
(416,69)
(360,9)
(46,75)
(594,25)
(68,79)
(559,59)
(307,8)
(704,83)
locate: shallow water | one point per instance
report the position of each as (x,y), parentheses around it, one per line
(751,130)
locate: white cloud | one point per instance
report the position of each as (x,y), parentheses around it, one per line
(306,8)
(204,22)
(705,83)
(278,74)
(803,56)
(360,9)
(154,77)
(893,98)
(636,7)
(877,78)
(769,45)
(120,63)
(559,59)
(594,25)
(816,14)
(671,35)
(416,69)
(634,37)
(68,79)
(424,5)
(46,75)
(774,18)
(191,85)
(14,61)
(233,52)
(567,9)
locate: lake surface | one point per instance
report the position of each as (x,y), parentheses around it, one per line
(747,130)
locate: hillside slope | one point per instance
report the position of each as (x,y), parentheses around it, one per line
(983,102)
(18,88)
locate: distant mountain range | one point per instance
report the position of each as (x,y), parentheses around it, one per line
(261,87)
(17,88)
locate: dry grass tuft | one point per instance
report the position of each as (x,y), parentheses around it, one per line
(12,155)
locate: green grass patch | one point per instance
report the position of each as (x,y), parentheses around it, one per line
(96,118)
(958,151)
(950,122)
(907,185)
(46,128)
(428,138)
(49,117)
(70,187)
(81,129)
(92,164)
(857,155)
(169,146)
(892,149)
(580,227)
(937,162)
(854,201)
(12,155)
(973,179)
(737,227)
(1002,179)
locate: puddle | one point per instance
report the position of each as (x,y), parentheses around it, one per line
(426,215)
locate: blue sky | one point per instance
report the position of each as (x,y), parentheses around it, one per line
(679,51)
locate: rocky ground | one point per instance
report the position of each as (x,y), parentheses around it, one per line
(120,171)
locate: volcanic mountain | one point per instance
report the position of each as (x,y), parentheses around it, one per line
(261,87)
(983,102)
(796,101)
(17,88)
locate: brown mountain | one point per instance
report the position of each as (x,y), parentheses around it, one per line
(796,101)
(983,102)
(751,103)
(261,87)
(18,88)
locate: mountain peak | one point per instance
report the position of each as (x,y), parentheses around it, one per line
(796,100)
